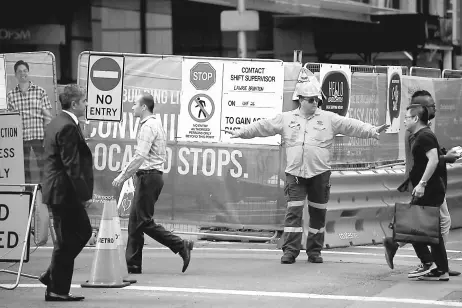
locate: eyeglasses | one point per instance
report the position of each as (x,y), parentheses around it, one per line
(409,117)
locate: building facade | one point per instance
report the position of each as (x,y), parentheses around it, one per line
(355,32)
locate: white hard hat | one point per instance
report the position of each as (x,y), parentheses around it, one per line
(307,85)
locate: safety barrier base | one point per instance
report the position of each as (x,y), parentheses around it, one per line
(247,236)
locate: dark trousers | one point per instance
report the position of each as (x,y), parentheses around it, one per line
(296,191)
(73,230)
(147,190)
(37,147)
(438,254)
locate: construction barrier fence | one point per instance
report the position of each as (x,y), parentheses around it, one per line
(241,186)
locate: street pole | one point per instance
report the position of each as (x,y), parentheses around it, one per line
(241,37)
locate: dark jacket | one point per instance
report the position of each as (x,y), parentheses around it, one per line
(68,164)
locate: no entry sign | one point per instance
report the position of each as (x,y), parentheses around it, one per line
(105,87)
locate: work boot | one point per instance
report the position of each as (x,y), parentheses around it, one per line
(390,250)
(185,253)
(315,259)
(287,258)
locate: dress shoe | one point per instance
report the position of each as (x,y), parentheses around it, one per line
(185,253)
(134,269)
(453,273)
(44,278)
(53,297)
(315,259)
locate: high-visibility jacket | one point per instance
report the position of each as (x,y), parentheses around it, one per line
(308,140)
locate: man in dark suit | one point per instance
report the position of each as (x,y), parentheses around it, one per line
(67,189)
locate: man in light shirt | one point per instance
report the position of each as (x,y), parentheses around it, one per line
(148,164)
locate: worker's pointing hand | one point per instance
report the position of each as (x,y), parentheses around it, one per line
(380,129)
(234,133)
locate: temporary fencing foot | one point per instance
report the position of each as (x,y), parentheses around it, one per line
(130,280)
(104,285)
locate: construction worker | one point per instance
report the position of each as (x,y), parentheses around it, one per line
(307,134)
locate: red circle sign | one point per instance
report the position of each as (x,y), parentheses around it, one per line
(105,74)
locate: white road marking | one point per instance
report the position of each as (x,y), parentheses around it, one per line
(401,248)
(327,252)
(277,294)
(264,250)
(106,74)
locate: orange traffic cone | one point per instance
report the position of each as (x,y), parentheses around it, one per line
(105,271)
(121,251)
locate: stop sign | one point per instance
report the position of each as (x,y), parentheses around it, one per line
(202,76)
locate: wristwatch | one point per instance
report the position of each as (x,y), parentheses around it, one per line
(423,183)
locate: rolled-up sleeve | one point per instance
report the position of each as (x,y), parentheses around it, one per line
(10,102)
(46,104)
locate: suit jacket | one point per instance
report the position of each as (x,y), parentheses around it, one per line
(68,164)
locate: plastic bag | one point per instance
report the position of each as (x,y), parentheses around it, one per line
(42,221)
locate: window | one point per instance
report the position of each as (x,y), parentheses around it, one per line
(423,6)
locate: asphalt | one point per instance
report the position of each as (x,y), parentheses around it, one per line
(250,275)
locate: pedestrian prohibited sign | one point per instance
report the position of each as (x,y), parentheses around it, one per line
(105,87)
(201,108)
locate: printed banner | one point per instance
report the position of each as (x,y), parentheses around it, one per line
(11,151)
(209,184)
(412,84)
(448,123)
(336,86)
(42,72)
(366,104)
(251,91)
(201,93)
(224,184)
(220,96)
(393,114)
(3,104)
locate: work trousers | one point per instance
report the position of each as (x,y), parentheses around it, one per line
(297,189)
(147,190)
